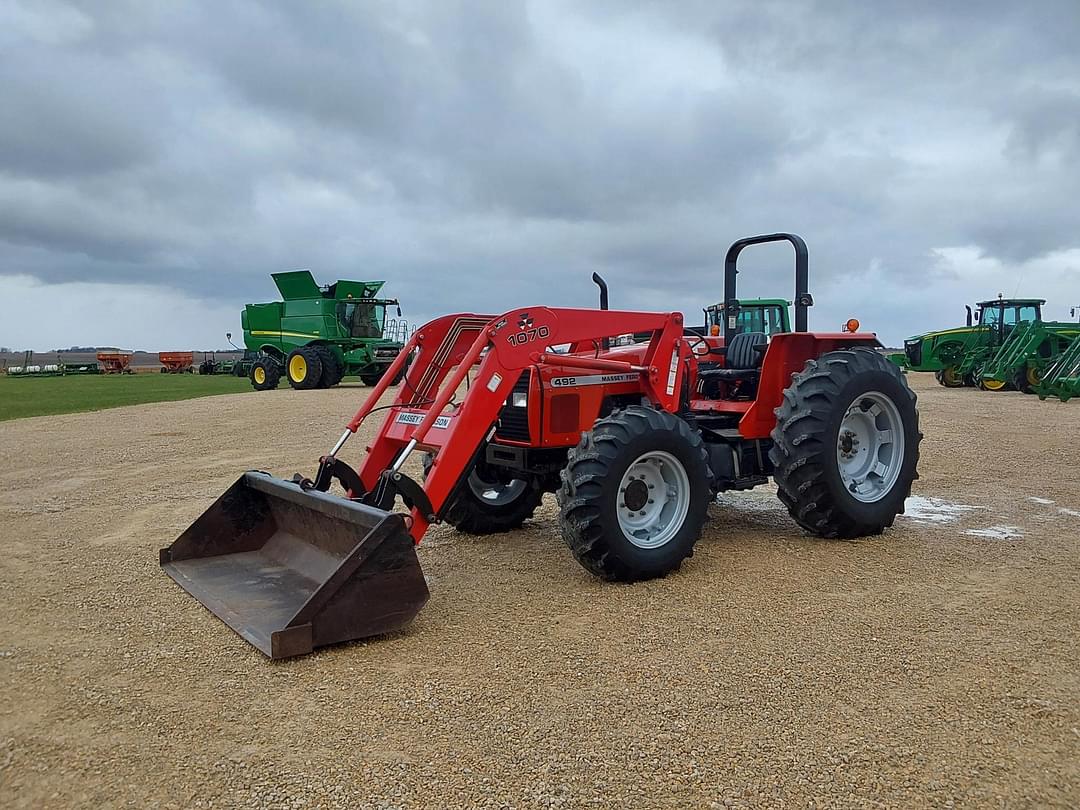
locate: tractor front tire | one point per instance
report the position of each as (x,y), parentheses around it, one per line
(371,378)
(846,444)
(333,370)
(265,374)
(950,377)
(303,368)
(487,503)
(634,495)
(1027,379)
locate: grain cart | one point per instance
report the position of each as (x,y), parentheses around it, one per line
(114,362)
(635,440)
(315,335)
(176,362)
(957,356)
(1025,355)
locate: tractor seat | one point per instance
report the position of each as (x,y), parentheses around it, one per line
(743,359)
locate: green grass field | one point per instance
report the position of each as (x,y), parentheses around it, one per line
(45,396)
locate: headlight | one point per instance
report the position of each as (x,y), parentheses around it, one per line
(519,399)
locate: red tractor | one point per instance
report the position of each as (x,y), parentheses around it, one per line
(635,440)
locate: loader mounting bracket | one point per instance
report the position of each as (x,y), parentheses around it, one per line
(329,469)
(393,483)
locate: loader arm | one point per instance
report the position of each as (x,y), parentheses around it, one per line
(488,355)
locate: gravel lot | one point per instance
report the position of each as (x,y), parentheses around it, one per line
(929,666)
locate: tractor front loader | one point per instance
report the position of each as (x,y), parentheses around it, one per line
(635,440)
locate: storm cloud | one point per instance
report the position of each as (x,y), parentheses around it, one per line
(481,156)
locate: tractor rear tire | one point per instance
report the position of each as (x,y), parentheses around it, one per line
(482,506)
(847,414)
(303,368)
(634,495)
(265,374)
(332,369)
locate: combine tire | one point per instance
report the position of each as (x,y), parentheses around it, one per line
(264,375)
(846,444)
(304,368)
(634,495)
(332,368)
(484,503)
(371,378)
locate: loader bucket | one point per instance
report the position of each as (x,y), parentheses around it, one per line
(291,570)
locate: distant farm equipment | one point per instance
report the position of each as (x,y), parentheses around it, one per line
(315,336)
(1061,378)
(115,362)
(959,356)
(1027,353)
(176,362)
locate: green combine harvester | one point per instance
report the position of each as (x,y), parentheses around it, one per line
(959,356)
(315,336)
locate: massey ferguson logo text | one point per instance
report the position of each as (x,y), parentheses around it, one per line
(527,332)
(409,418)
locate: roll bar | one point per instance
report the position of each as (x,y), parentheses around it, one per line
(803,299)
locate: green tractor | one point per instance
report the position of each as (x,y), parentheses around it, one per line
(768,315)
(316,335)
(1028,353)
(958,356)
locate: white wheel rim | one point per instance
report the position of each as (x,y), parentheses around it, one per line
(495,494)
(653,499)
(870,447)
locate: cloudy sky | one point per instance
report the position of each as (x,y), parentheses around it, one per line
(158,160)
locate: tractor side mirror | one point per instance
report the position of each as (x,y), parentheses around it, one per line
(228,335)
(399,311)
(977,317)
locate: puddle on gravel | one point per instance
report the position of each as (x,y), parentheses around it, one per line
(934,510)
(997,532)
(762,499)
(1043,501)
(1070,512)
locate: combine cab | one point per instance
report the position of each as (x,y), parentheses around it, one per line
(635,440)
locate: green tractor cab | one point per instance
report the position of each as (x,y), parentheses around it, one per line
(315,336)
(957,356)
(769,315)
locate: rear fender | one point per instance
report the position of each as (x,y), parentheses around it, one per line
(786,355)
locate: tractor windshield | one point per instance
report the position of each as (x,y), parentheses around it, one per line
(1027,313)
(362,319)
(991,316)
(760,319)
(767,318)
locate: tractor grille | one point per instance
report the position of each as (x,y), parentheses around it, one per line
(513,424)
(385,353)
